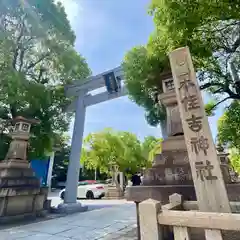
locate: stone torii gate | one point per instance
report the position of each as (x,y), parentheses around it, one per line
(81,90)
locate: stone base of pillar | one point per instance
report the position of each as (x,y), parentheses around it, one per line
(19,202)
(114,192)
(20,192)
(68,208)
(13,163)
(171,166)
(26,216)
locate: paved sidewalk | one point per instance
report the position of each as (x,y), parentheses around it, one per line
(113,223)
(125,234)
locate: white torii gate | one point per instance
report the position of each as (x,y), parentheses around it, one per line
(81,90)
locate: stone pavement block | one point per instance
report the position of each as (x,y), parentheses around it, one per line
(111,237)
(100,233)
(49,227)
(98,224)
(101,224)
(83,223)
(119,226)
(79,233)
(43,236)
(14,234)
(85,233)
(124,234)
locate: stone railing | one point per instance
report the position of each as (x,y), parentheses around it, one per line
(183,217)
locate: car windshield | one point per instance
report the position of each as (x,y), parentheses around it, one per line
(82,183)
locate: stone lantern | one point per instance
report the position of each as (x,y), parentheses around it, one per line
(172,165)
(114,170)
(114,191)
(20,192)
(17,152)
(224,162)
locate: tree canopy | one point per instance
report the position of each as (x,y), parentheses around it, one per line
(229,126)
(209,28)
(234,156)
(107,148)
(229,132)
(37,60)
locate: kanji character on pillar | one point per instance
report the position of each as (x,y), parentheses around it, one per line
(186,84)
(209,169)
(190,102)
(195,123)
(200,169)
(204,171)
(199,144)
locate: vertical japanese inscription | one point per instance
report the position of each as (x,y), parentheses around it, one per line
(204,171)
(208,181)
(190,101)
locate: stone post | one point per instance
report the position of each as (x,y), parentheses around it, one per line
(50,169)
(163,125)
(207,176)
(115,175)
(121,178)
(149,227)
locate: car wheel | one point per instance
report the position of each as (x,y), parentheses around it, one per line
(62,195)
(90,195)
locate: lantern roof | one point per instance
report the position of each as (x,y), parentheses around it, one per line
(26,120)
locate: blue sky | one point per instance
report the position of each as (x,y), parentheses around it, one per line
(105,31)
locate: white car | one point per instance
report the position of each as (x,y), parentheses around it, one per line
(88,189)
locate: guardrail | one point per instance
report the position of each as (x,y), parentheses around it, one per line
(183,215)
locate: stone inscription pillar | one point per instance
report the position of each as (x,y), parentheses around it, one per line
(207,176)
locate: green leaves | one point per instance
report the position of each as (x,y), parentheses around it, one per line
(210,107)
(37,58)
(104,149)
(209,28)
(150,147)
(228,126)
(140,73)
(234,157)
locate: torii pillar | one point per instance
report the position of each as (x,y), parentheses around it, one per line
(83,98)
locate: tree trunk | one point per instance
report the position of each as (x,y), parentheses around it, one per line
(235,77)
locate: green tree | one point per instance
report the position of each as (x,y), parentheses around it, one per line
(37,60)
(150,147)
(234,157)
(106,148)
(209,28)
(228,126)
(142,81)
